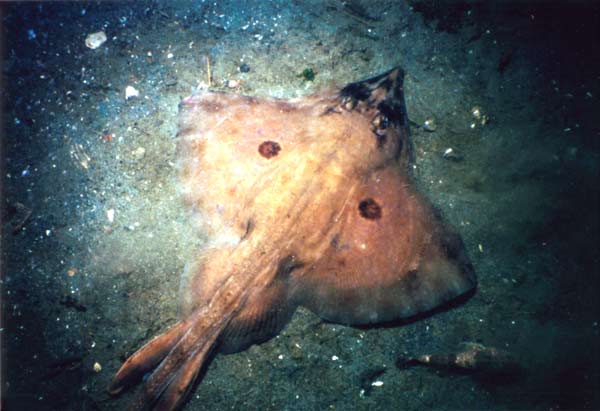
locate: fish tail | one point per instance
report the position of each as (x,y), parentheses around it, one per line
(147,358)
(181,384)
(177,358)
(169,384)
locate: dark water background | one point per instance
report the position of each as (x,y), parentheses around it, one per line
(94,237)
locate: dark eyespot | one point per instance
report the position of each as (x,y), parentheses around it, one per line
(369,209)
(269,149)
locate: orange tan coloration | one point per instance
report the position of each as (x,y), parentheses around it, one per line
(308,202)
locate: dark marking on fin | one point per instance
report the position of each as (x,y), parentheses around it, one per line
(249,228)
(269,149)
(287,265)
(331,110)
(369,209)
(335,241)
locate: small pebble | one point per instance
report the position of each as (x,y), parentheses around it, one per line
(233,83)
(451,154)
(244,68)
(138,153)
(95,40)
(478,114)
(131,92)
(430,125)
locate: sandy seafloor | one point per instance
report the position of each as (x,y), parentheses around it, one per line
(522,189)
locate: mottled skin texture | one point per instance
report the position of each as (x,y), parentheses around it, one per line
(308,202)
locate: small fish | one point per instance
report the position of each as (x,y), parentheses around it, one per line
(18,216)
(63,365)
(469,357)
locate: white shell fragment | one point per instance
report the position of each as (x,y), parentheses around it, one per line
(110,215)
(138,153)
(131,92)
(377,383)
(451,154)
(430,125)
(97,367)
(95,40)
(479,115)
(233,83)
